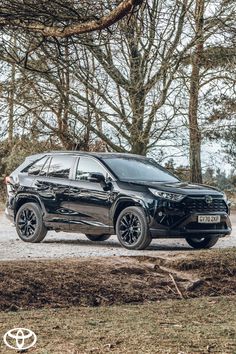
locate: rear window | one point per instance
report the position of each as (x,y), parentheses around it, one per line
(36,167)
(61,166)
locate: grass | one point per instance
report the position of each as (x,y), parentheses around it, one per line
(203,325)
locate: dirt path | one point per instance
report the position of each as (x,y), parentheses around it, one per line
(66,245)
(115,280)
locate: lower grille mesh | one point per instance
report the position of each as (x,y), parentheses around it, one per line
(197,226)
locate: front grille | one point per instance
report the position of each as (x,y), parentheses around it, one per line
(200,205)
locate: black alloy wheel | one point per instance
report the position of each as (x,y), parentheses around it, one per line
(132,228)
(199,242)
(29,223)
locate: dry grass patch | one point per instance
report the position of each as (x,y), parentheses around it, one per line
(190,326)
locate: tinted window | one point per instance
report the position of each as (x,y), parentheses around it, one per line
(87,165)
(135,169)
(60,166)
(36,167)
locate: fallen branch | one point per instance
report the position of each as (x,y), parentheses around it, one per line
(176,286)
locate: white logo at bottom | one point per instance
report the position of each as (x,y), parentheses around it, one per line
(20,338)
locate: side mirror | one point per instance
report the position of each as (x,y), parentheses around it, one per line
(96,177)
(100,178)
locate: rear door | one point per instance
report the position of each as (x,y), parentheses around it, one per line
(52,186)
(90,204)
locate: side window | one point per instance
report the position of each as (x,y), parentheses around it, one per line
(87,165)
(36,167)
(60,166)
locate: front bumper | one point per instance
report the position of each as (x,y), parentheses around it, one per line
(188,225)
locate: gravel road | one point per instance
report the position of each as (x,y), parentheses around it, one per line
(67,245)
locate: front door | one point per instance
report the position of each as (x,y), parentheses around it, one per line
(89,203)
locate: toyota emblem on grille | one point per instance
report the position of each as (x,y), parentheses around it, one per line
(208,199)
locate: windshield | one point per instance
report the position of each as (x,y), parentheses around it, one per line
(135,169)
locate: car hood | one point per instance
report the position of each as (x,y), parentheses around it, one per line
(182,188)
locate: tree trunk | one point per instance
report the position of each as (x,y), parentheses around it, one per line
(11,102)
(137,93)
(138,144)
(63,113)
(194,130)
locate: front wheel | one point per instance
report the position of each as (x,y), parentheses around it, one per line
(202,242)
(98,237)
(132,229)
(29,223)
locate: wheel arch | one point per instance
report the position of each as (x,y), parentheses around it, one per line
(26,198)
(125,203)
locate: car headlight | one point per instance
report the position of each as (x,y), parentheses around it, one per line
(166,195)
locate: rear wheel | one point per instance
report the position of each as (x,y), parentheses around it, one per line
(132,229)
(29,223)
(199,242)
(98,237)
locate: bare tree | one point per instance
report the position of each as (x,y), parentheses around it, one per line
(209,65)
(119,87)
(126,88)
(134,77)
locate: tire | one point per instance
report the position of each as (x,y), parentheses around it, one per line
(202,242)
(132,229)
(29,223)
(98,237)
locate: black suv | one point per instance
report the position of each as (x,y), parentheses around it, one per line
(100,194)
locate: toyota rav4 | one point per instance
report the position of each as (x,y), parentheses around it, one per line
(101,194)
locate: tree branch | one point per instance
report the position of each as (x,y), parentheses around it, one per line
(74,29)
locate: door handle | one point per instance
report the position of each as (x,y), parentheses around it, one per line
(38,184)
(74,190)
(41,186)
